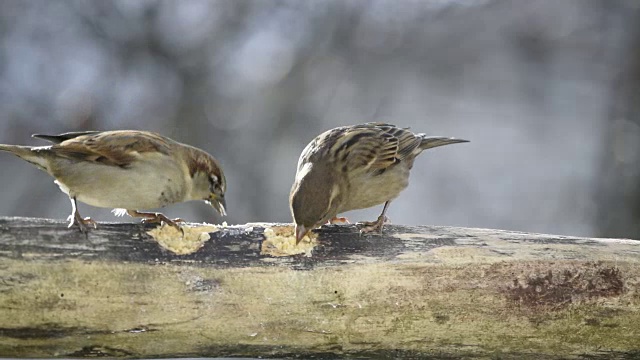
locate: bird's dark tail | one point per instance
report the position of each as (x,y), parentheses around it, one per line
(428,142)
(28,153)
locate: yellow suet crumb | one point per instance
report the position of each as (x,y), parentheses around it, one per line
(281,241)
(173,240)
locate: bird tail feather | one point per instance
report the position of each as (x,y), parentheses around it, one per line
(428,142)
(28,153)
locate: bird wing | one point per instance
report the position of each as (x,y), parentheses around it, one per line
(114,148)
(371,147)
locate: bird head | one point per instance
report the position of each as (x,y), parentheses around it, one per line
(208,181)
(314,199)
(216,194)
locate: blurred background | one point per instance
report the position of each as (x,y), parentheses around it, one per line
(547,91)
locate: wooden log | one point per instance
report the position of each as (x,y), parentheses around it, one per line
(415,291)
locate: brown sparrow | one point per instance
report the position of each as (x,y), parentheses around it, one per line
(354,167)
(126,170)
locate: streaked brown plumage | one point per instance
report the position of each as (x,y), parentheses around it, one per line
(127,170)
(354,167)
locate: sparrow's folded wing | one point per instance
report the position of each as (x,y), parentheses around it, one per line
(114,148)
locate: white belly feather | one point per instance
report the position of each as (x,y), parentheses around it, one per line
(143,186)
(371,190)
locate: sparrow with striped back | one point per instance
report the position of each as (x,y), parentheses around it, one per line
(355,167)
(126,170)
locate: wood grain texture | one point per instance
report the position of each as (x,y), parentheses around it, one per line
(426,291)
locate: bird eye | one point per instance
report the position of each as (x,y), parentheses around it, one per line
(217,183)
(213,183)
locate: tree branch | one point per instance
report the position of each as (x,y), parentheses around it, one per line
(423,291)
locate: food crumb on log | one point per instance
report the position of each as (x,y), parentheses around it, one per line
(184,242)
(281,241)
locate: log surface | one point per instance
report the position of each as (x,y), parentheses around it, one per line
(424,291)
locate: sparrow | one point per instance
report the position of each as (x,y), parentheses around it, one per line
(127,170)
(354,167)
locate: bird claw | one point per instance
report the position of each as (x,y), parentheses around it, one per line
(367,227)
(155,218)
(81,223)
(159,218)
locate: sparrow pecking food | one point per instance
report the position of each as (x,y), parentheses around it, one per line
(354,167)
(126,170)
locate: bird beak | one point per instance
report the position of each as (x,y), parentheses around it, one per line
(218,203)
(301,231)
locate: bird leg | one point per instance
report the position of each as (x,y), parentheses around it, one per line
(338,220)
(77,220)
(374,226)
(153,217)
